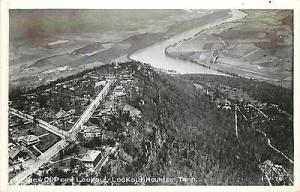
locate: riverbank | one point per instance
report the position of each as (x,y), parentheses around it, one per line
(156,55)
(85,47)
(236,50)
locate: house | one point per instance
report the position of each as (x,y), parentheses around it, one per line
(11,146)
(102,83)
(227,108)
(124,82)
(91,131)
(62,115)
(119,91)
(16,156)
(110,77)
(108,111)
(126,77)
(133,112)
(91,159)
(28,140)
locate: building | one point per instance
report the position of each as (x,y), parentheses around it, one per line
(63,116)
(11,146)
(102,83)
(119,91)
(106,114)
(91,159)
(28,140)
(275,174)
(91,132)
(133,112)
(126,77)
(16,156)
(110,77)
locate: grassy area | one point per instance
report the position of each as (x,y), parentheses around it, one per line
(47,141)
(28,128)
(262,19)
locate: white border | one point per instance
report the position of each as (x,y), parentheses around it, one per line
(5,5)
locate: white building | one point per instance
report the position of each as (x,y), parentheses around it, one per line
(91,159)
(28,140)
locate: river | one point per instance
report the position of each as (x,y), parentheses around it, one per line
(156,57)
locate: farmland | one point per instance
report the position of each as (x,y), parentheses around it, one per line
(257,47)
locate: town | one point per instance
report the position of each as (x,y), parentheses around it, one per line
(84,129)
(65,118)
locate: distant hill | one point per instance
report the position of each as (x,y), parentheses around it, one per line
(35,23)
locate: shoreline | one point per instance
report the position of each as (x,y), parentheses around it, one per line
(225,69)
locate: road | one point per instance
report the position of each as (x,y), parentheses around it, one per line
(259,111)
(105,157)
(268,140)
(274,148)
(34,166)
(42,124)
(30,168)
(91,109)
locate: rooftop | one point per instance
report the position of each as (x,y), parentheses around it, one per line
(91,155)
(13,153)
(28,138)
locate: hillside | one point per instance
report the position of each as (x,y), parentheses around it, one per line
(198,139)
(187,127)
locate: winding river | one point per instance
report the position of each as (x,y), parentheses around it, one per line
(156,57)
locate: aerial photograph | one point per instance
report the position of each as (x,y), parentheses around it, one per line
(151,97)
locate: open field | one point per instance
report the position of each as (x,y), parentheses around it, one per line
(49,42)
(259,46)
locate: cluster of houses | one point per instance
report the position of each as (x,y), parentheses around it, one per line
(16,154)
(63,116)
(91,131)
(19,152)
(94,158)
(275,174)
(116,102)
(92,161)
(222,95)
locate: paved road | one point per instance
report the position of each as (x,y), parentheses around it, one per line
(91,109)
(46,156)
(34,166)
(42,123)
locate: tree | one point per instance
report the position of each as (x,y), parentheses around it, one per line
(42,100)
(72,163)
